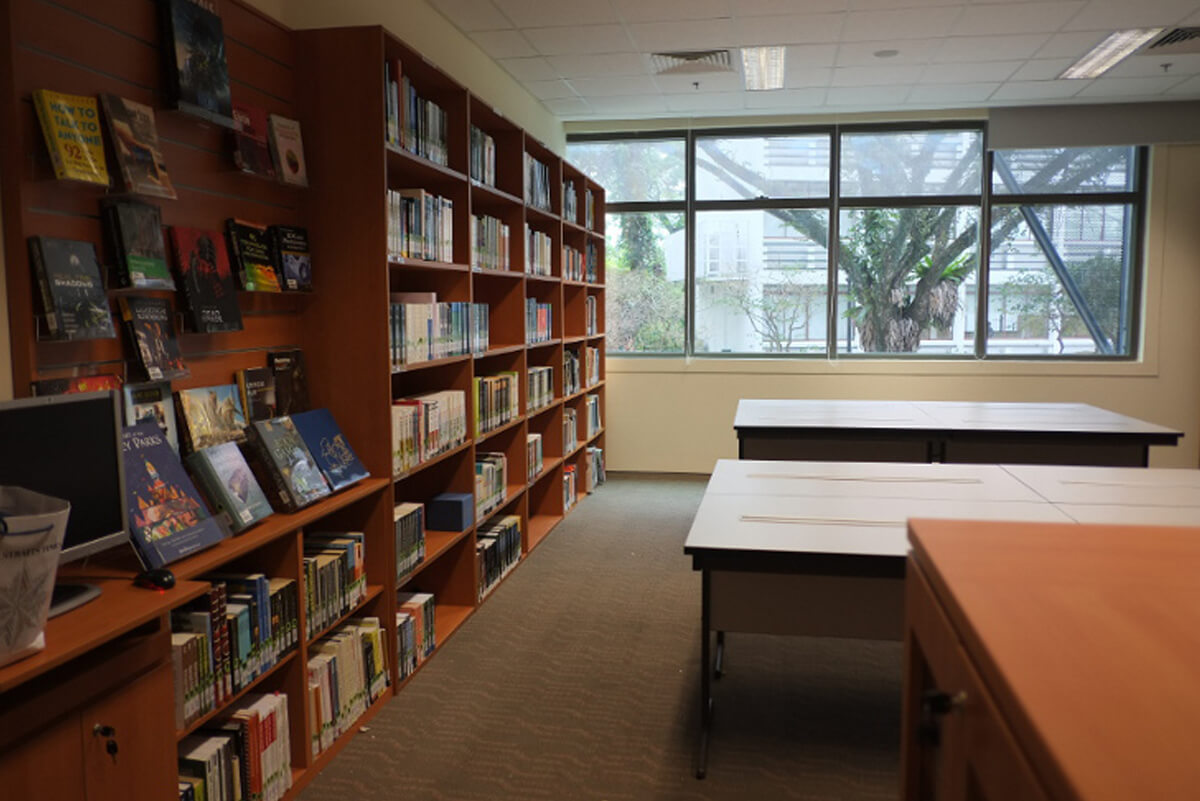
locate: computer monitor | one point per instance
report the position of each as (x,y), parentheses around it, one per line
(69,447)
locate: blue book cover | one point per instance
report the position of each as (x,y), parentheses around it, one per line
(167,519)
(328,446)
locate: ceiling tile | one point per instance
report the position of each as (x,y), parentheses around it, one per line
(801,101)
(614,85)
(887,26)
(801,77)
(767,8)
(952,93)
(547,90)
(912,51)
(580,39)
(972,72)
(1042,69)
(988,48)
(473,15)
(707,102)
(667,10)
(1189,88)
(1071,45)
(682,35)
(1038,90)
(1130,87)
(563,106)
(790,29)
(529,69)
(867,97)
(503,44)
(545,13)
(575,65)
(809,56)
(876,76)
(710,82)
(883,5)
(1181,64)
(1014,18)
(1115,14)
(638,105)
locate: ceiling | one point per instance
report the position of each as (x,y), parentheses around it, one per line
(590,59)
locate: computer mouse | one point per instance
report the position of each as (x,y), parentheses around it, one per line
(158,578)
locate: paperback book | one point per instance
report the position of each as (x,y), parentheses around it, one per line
(250,244)
(209,292)
(152,334)
(287,150)
(135,142)
(251,153)
(211,416)
(290,247)
(256,385)
(194,55)
(167,519)
(229,485)
(151,401)
(75,384)
(291,381)
(135,231)
(71,127)
(329,447)
(73,297)
(286,464)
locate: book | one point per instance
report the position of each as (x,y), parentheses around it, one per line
(210,416)
(250,245)
(226,480)
(167,520)
(251,153)
(282,458)
(194,55)
(257,388)
(74,384)
(291,381)
(287,150)
(135,143)
(290,249)
(209,293)
(151,401)
(135,233)
(71,127)
(329,447)
(152,334)
(73,297)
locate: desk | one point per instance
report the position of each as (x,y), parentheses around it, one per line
(945,431)
(819,548)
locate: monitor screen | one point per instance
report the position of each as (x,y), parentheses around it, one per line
(69,446)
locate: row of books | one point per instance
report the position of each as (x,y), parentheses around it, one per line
(246,754)
(593,416)
(595,471)
(592,272)
(490,241)
(572,379)
(335,577)
(539,321)
(572,263)
(537,184)
(570,429)
(491,482)
(412,122)
(591,308)
(422,329)
(538,249)
(534,459)
(498,550)
(497,400)
(409,538)
(346,672)
(420,225)
(426,426)
(593,366)
(416,629)
(540,387)
(483,157)
(570,205)
(570,488)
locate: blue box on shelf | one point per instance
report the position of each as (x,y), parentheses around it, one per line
(450,511)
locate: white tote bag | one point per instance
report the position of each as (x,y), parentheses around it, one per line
(31,534)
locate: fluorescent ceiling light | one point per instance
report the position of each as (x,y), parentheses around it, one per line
(1104,56)
(763,67)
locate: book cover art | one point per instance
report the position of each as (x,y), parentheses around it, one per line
(251,152)
(194,52)
(74,384)
(250,244)
(230,485)
(211,416)
(293,256)
(329,447)
(291,381)
(135,229)
(151,401)
(152,334)
(287,150)
(167,519)
(73,298)
(207,281)
(71,126)
(135,142)
(298,479)
(257,388)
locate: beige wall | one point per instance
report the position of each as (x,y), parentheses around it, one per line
(676,415)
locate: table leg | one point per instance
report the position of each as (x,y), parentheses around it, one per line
(719,659)
(706,701)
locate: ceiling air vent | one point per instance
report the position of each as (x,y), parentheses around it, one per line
(692,62)
(1176,40)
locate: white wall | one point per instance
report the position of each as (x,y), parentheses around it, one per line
(675,415)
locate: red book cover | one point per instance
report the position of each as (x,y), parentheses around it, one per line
(208,286)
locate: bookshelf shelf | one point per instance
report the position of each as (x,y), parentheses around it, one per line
(509,275)
(448,618)
(541,410)
(501,351)
(540,526)
(535,214)
(428,463)
(482,189)
(428,172)
(402,263)
(484,436)
(547,344)
(373,592)
(408,368)
(548,466)
(549,279)
(436,544)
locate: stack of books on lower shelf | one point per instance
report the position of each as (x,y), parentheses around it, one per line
(409,520)
(594,424)
(570,430)
(539,322)
(572,263)
(570,488)
(489,243)
(498,549)
(427,426)
(422,329)
(420,225)
(347,672)
(533,455)
(497,400)
(246,754)
(593,366)
(538,252)
(595,472)
(335,576)
(540,388)
(415,629)
(572,378)
(491,482)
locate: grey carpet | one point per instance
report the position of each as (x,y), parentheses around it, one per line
(578,679)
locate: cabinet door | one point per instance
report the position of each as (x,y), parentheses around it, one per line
(46,765)
(996,768)
(138,718)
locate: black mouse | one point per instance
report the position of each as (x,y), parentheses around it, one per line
(156,578)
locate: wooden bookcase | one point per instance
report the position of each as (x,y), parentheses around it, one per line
(332,81)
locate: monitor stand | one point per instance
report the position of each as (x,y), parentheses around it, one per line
(69,596)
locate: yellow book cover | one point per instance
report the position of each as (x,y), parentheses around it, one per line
(71,125)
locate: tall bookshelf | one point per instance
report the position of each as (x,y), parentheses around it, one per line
(333,82)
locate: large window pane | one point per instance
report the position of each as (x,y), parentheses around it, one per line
(746,167)
(911,163)
(903,279)
(1059,280)
(644,277)
(761,281)
(632,170)
(1069,170)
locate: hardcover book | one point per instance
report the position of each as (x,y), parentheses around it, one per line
(250,245)
(135,231)
(74,384)
(251,153)
(257,388)
(194,54)
(291,381)
(71,126)
(72,290)
(287,150)
(211,416)
(329,447)
(167,520)
(152,334)
(208,289)
(230,487)
(151,402)
(293,257)
(135,143)
(284,459)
